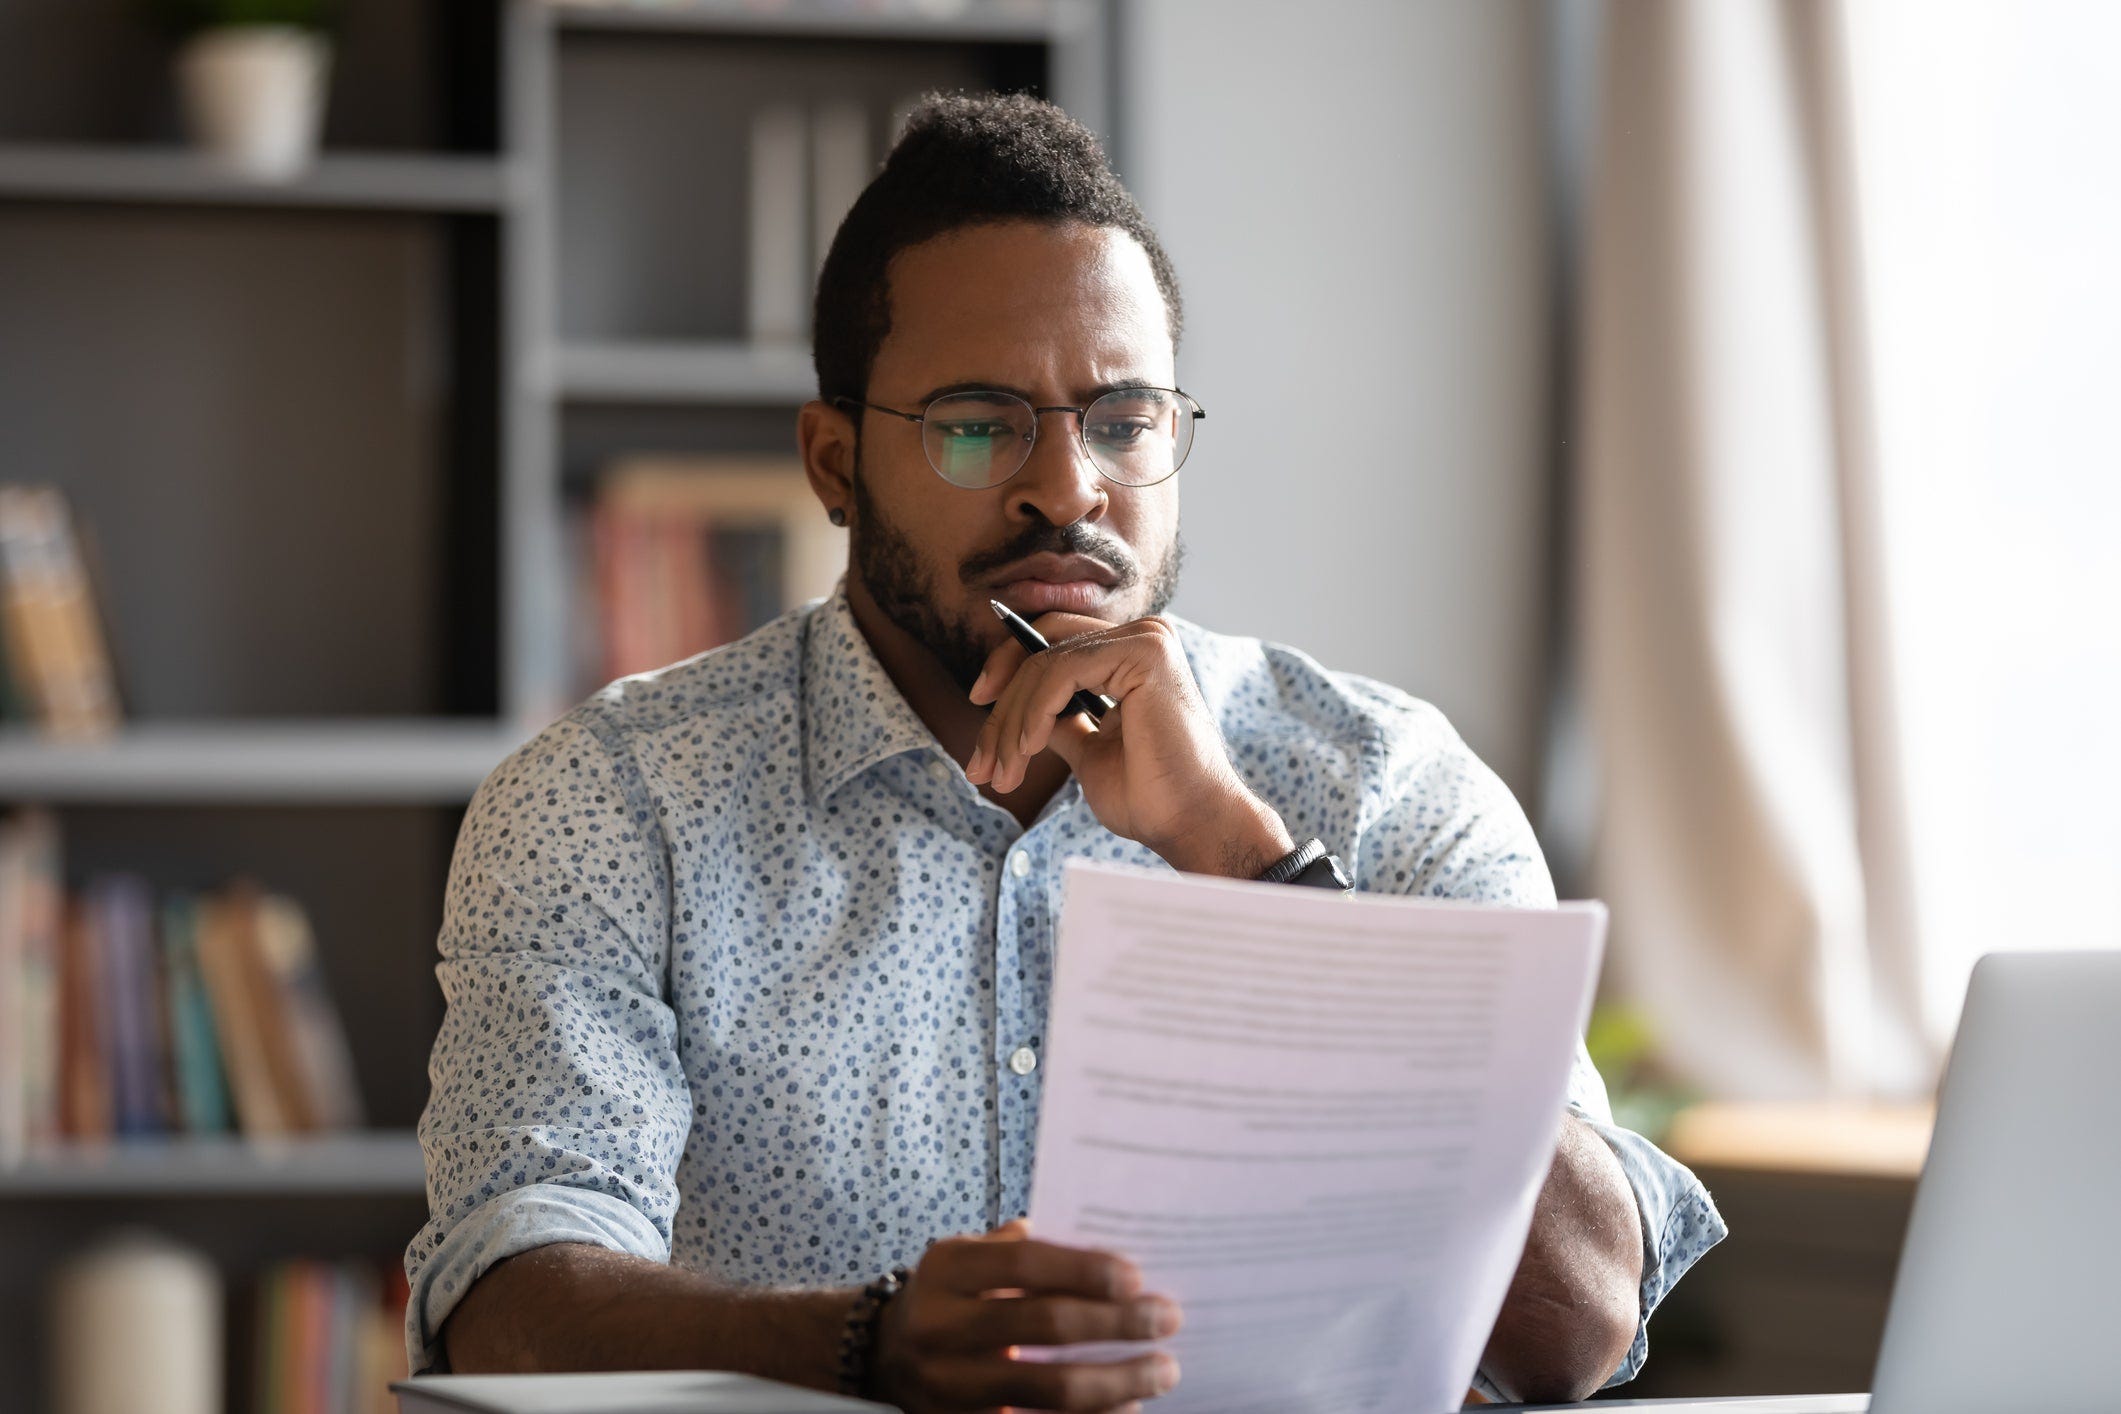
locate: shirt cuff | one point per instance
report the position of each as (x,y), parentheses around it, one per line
(536,1215)
(1679,1223)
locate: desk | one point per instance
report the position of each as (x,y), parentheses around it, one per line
(1793,1301)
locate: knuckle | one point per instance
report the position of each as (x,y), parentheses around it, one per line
(1049,1323)
(1062,1386)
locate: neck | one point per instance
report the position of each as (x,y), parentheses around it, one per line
(940,703)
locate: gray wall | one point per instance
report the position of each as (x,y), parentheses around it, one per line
(1355,195)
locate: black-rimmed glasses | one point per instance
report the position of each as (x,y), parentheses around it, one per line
(1134,436)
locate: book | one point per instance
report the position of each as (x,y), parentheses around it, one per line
(322,1084)
(320,1336)
(201,1089)
(58,659)
(761,493)
(694,552)
(85,1090)
(14,1056)
(240,993)
(132,1033)
(38,912)
(122,1014)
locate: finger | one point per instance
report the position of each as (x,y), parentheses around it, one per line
(1113,666)
(978,1325)
(1056,625)
(1005,724)
(991,755)
(1001,665)
(1009,655)
(984,1381)
(971,1266)
(1046,700)
(1073,735)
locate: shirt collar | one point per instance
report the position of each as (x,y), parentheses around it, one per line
(853,714)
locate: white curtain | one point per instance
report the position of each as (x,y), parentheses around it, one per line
(1750,838)
(1846,613)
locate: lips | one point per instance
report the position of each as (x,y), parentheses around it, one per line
(1059,569)
(1046,583)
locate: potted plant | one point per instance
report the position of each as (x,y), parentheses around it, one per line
(251,74)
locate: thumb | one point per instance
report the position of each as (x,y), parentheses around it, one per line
(1015,1230)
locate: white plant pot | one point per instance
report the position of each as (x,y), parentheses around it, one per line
(254,96)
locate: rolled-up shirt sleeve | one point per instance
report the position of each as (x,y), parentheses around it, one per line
(1442,825)
(1678,1220)
(558,1109)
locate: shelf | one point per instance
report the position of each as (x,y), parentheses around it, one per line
(1826,1138)
(701,372)
(348,181)
(384,1161)
(975,21)
(320,761)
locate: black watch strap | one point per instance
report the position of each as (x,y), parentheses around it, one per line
(1309,864)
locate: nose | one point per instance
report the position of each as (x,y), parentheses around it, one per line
(1059,481)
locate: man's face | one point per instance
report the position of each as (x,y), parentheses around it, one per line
(1056,314)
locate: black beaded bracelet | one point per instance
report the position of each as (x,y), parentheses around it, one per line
(858,1339)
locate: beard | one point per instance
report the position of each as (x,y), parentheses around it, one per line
(898,582)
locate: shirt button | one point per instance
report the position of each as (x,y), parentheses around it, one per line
(1020,864)
(938,770)
(1023,1060)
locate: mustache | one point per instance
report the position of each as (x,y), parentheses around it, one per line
(1074,539)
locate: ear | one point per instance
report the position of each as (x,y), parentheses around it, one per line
(825,436)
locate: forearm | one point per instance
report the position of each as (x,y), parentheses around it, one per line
(1569,1317)
(570,1306)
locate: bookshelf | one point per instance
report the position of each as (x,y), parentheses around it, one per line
(385,1162)
(700,372)
(346,181)
(325,436)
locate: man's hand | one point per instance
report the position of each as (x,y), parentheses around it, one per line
(1154,770)
(947,1341)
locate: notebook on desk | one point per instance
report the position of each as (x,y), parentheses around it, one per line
(619,1392)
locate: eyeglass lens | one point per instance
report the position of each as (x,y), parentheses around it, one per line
(1136,436)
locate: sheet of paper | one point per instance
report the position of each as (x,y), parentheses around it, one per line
(1318,1123)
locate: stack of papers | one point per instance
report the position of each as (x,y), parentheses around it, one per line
(1319,1123)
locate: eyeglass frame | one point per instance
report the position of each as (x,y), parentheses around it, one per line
(920,419)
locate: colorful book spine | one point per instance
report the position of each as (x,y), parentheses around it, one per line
(14,1057)
(124,910)
(57,655)
(323,1070)
(195,1055)
(85,1092)
(40,910)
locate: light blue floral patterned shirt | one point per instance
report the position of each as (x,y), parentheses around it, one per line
(743,974)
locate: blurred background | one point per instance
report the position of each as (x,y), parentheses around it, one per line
(1707,405)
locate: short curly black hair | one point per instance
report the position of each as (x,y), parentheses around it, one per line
(963,160)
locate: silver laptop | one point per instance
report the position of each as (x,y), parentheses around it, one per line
(2008,1294)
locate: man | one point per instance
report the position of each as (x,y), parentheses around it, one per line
(747,959)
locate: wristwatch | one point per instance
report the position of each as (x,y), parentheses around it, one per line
(1309,863)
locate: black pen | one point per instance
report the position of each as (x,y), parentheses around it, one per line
(1096,704)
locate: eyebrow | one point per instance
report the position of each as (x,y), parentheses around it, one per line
(1088,396)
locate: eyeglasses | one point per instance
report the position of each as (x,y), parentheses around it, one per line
(1134,436)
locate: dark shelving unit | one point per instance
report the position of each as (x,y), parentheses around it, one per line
(322,436)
